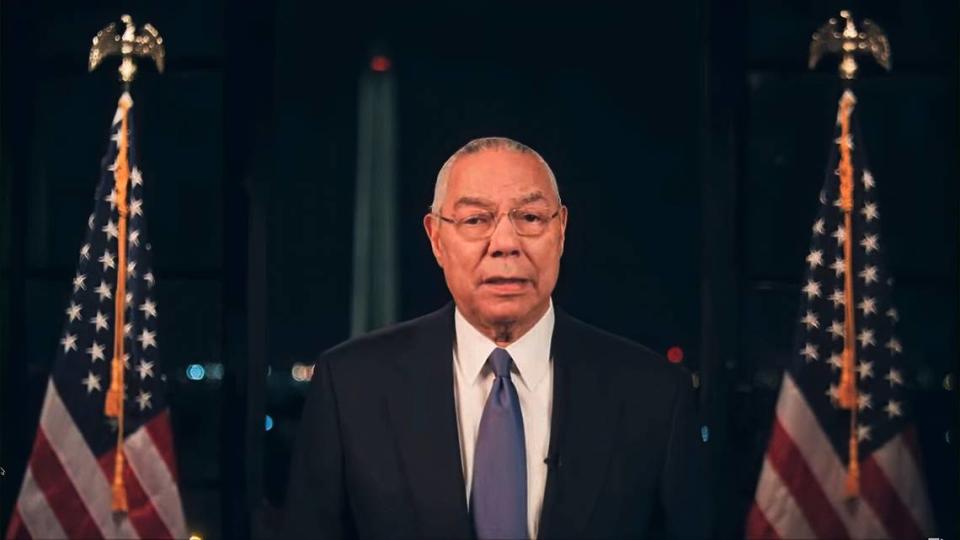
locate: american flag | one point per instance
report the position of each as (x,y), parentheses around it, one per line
(802,491)
(66,490)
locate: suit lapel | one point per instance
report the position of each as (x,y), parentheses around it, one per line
(423,415)
(582,431)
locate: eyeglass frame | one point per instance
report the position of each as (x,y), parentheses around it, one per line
(496,222)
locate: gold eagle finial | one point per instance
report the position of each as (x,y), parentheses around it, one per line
(847,41)
(128,44)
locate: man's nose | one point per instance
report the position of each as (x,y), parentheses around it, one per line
(504,241)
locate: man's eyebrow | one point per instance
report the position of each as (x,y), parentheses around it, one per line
(533,197)
(473,201)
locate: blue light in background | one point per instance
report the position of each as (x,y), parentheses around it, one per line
(705,433)
(268,425)
(196,372)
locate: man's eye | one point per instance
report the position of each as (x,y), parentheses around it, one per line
(475,221)
(531,217)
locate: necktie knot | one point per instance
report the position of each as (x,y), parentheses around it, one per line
(500,362)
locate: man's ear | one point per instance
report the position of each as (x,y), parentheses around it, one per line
(563,227)
(432,227)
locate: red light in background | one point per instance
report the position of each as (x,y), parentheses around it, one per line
(675,355)
(380,63)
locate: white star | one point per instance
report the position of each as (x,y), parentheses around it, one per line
(69,341)
(79,282)
(126,360)
(868,305)
(100,321)
(812,289)
(840,234)
(147,339)
(834,394)
(894,377)
(835,361)
(148,277)
(107,260)
(839,299)
(136,207)
(810,351)
(870,212)
(96,352)
(894,346)
(863,433)
(128,300)
(865,338)
(103,290)
(90,222)
(818,226)
(73,311)
(869,243)
(845,140)
(815,258)
(893,408)
(823,197)
(112,198)
(892,313)
(92,382)
(132,268)
(810,320)
(869,274)
(839,266)
(127,329)
(865,369)
(836,328)
(111,229)
(148,308)
(838,203)
(143,399)
(868,181)
(134,237)
(145,369)
(864,401)
(85,251)
(135,177)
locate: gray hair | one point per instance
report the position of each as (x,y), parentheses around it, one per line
(476,145)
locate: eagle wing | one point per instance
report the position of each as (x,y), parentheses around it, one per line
(105,43)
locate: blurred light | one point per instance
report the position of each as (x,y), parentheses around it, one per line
(948,382)
(268,424)
(214,371)
(695,378)
(675,354)
(195,372)
(195,536)
(380,63)
(269,371)
(301,372)
(705,433)
(946,436)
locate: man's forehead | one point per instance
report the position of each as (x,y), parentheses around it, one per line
(485,201)
(498,174)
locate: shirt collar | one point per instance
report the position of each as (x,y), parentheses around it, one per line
(530,353)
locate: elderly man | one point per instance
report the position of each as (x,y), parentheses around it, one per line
(498,416)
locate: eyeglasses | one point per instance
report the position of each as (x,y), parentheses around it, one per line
(526,222)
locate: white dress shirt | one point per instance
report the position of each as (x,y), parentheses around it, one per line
(532,374)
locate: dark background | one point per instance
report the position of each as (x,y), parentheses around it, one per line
(688,138)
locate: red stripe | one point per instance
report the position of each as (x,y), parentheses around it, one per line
(143,515)
(875,488)
(789,463)
(62,496)
(757,525)
(16,530)
(159,430)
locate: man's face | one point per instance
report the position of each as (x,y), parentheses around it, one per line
(504,279)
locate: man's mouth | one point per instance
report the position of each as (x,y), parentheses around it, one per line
(505,281)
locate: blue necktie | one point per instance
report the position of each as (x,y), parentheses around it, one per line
(498,499)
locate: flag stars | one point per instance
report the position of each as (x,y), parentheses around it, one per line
(839,299)
(892,313)
(112,198)
(79,282)
(836,328)
(148,308)
(128,299)
(90,222)
(96,352)
(835,361)
(845,140)
(818,226)
(143,400)
(132,268)
(868,181)
(839,266)
(840,234)
(865,369)
(103,290)
(145,369)
(810,352)
(869,274)
(833,392)
(133,238)
(815,258)
(868,305)
(92,382)
(73,312)
(85,252)
(148,277)
(136,207)
(111,229)
(107,260)
(869,243)
(865,338)
(69,342)
(894,346)
(127,329)
(864,401)
(863,433)
(147,339)
(893,408)
(812,289)
(135,177)
(894,377)
(100,321)
(870,211)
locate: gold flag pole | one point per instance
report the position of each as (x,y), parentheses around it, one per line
(848,42)
(108,42)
